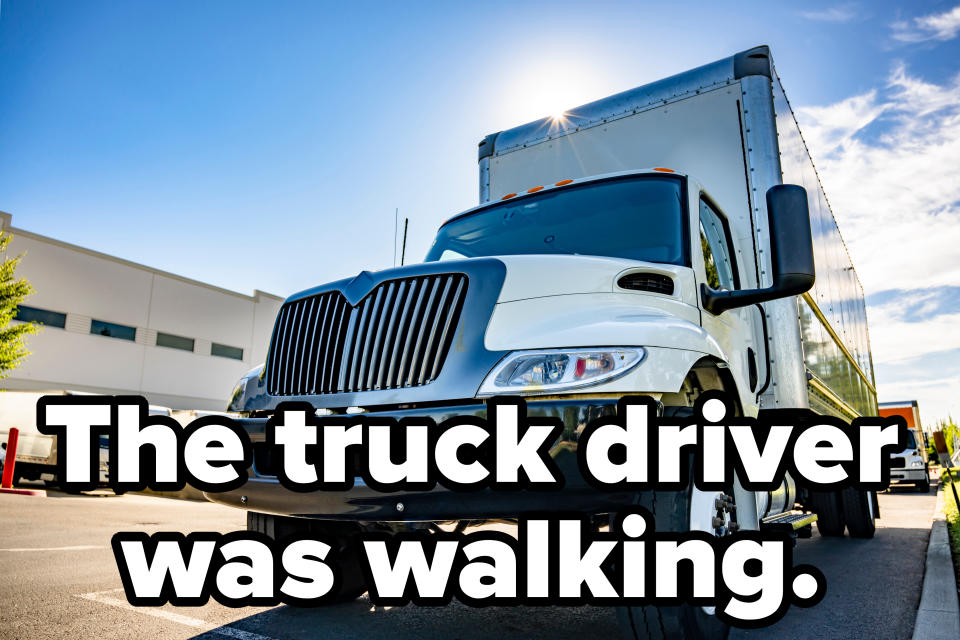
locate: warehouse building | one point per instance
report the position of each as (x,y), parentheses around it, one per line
(116,327)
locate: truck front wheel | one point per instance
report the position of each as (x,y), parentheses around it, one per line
(679,511)
(684,510)
(341,534)
(924,485)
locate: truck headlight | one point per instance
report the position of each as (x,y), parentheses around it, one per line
(550,370)
(916,463)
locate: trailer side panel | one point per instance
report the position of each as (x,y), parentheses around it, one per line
(833,316)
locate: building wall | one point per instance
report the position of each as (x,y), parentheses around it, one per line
(86,285)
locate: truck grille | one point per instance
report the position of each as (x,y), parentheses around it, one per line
(397,336)
(898,463)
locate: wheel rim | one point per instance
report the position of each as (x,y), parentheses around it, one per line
(712,512)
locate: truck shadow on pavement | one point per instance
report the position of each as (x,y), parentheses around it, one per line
(887,569)
(360,619)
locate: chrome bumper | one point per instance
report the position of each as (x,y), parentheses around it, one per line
(264,493)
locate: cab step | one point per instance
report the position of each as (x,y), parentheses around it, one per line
(791,521)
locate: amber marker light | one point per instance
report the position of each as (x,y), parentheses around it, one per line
(663,169)
(563,182)
(534,190)
(508,196)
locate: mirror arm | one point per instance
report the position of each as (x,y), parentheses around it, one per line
(787,284)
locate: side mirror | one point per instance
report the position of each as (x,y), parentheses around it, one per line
(791,247)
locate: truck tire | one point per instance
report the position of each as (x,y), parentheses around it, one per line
(671,511)
(829,510)
(924,485)
(858,512)
(343,535)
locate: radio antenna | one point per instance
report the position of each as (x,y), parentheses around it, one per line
(396,212)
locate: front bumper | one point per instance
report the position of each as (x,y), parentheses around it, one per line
(264,493)
(908,475)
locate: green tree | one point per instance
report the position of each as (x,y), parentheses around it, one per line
(13,290)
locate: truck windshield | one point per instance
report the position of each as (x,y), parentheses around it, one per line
(640,218)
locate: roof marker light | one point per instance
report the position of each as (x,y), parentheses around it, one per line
(563,182)
(663,169)
(508,196)
(534,190)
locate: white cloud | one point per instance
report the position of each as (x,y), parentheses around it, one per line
(894,339)
(840,13)
(888,160)
(894,189)
(936,26)
(935,398)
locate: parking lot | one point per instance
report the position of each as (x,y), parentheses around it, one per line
(60,580)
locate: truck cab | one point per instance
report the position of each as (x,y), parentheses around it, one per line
(909,466)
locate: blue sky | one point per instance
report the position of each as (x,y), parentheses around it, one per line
(266,145)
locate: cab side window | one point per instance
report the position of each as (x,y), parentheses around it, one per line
(717,252)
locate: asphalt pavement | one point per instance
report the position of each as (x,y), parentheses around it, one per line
(59,580)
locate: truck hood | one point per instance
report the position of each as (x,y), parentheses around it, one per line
(541,276)
(573,301)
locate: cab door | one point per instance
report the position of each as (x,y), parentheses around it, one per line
(715,264)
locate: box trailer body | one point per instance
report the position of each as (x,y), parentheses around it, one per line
(729,125)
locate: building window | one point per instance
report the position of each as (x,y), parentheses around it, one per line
(41,316)
(174,342)
(225,351)
(111,330)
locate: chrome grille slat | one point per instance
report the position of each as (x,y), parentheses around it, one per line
(358,344)
(336,333)
(448,321)
(417,326)
(313,355)
(301,342)
(388,338)
(369,333)
(424,367)
(347,348)
(396,336)
(326,330)
(304,336)
(403,335)
(374,356)
(284,344)
(288,361)
(277,347)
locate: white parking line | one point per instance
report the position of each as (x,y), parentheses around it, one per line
(196,623)
(82,547)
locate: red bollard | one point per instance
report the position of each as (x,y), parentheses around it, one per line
(11,458)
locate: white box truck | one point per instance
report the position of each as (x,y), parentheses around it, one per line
(36,453)
(909,466)
(648,243)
